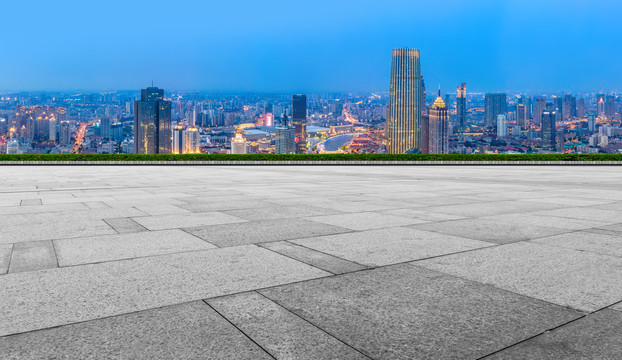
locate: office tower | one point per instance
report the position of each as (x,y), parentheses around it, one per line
(191,117)
(570,106)
(192,140)
(461,110)
(549,137)
(64,132)
(104,127)
(299,119)
(239,145)
(581,108)
(528,108)
(179,139)
(600,104)
(495,104)
(448,103)
(501,126)
(152,123)
(285,137)
(591,123)
(423,106)
(521,114)
(4,125)
(610,106)
(439,126)
(269,119)
(116,131)
(12,147)
(404,113)
(539,109)
(558,106)
(425,134)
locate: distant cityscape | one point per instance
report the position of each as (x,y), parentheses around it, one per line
(406,119)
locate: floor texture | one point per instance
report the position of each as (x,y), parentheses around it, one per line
(370,262)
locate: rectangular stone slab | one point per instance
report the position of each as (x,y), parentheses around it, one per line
(187,331)
(162,222)
(278,331)
(405,312)
(577,279)
(32,256)
(37,300)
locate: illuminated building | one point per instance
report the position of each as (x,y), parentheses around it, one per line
(4,125)
(502,130)
(192,140)
(12,147)
(179,139)
(269,121)
(600,104)
(285,138)
(239,145)
(558,106)
(404,112)
(299,120)
(495,104)
(521,115)
(425,134)
(439,126)
(64,137)
(461,111)
(549,136)
(152,123)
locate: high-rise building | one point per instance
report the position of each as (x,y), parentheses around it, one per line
(299,119)
(581,108)
(152,123)
(425,134)
(64,137)
(439,127)
(192,140)
(570,106)
(600,104)
(404,112)
(558,106)
(423,106)
(285,137)
(495,104)
(610,106)
(502,130)
(521,115)
(539,109)
(461,111)
(104,127)
(591,123)
(549,135)
(179,139)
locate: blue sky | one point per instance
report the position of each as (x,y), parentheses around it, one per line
(320,45)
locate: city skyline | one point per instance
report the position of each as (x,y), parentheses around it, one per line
(280,47)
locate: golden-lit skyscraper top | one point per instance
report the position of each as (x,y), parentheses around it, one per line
(404,113)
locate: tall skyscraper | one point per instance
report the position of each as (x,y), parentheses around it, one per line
(285,137)
(423,106)
(439,126)
(570,106)
(152,123)
(610,106)
(558,106)
(502,129)
(104,127)
(425,134)
(64,137)
(404,112)
(179,139)
(549,135)
(521,114)
(600,104)
(539,108)
(581,108)
(591,123)
(495,104)
(461,111)
(299,119)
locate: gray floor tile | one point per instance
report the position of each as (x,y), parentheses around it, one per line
(585,213)
(162,222)
(422,215)
(224,205)
(366,220)
(30,202)
(586,241)
(47,298)
(94,249)
(405,312)
(596,336)
(491,208)
(280,212)
(162,209)
(125,225)
(187,331)
(491,230)
(263,231)
(577,279)
(50,229)
(318,259)
(280,332)
(5,257)
(32,256)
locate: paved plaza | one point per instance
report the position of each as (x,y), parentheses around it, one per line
(318,262)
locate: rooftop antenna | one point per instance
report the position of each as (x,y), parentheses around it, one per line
(439,90)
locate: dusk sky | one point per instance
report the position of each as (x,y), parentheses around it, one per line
(321,45)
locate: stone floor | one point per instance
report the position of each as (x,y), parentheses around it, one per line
(311,262)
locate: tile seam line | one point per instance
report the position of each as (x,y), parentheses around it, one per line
(238,329)
(312,324)
(325,253)
(290,257)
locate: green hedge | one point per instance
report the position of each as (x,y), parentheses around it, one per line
(315,157)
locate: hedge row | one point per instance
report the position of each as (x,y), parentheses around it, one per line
(316,157)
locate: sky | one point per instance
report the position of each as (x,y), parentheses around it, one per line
(309,46)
